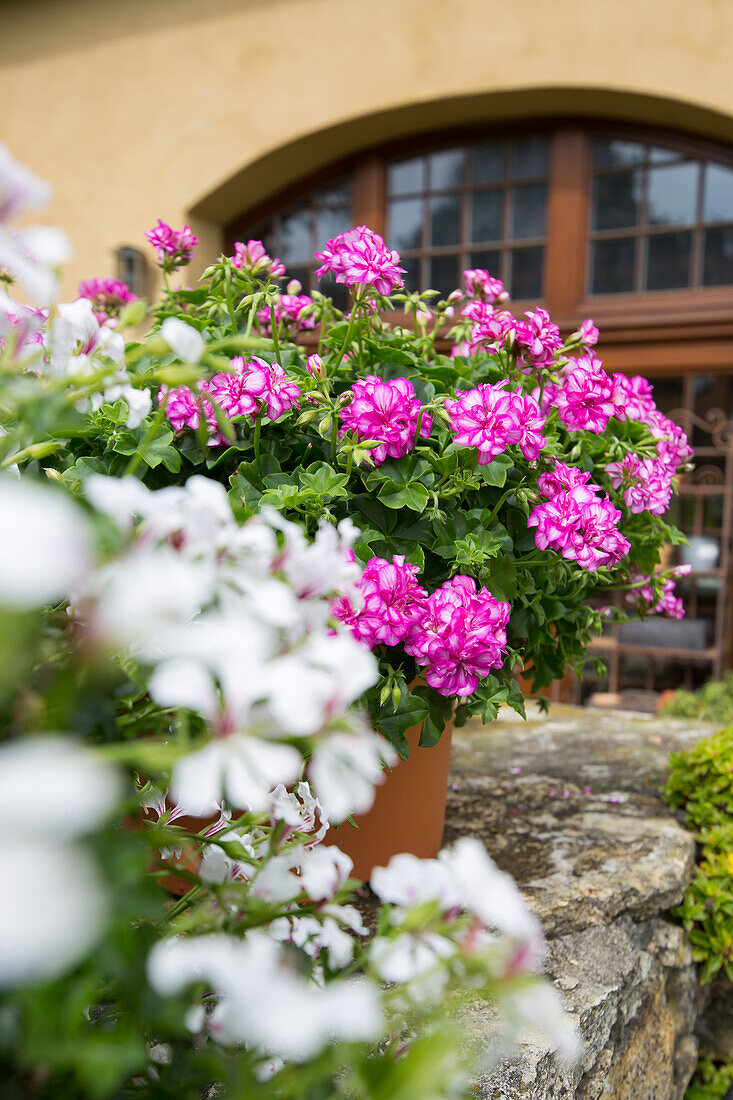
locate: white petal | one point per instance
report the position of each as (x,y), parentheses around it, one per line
(183,339)
(45,545)
(38,939)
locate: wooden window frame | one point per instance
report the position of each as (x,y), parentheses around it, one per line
(643,331)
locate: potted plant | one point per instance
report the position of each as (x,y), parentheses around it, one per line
(500,480)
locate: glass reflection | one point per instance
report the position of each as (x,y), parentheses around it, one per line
(445,219)
(528,210)
(405,176)
(718,205)
(616,200)
(612,266)
(673,194)
(615,154)
(718,257)
(525,278)
(405,224)
(443,274)
(531,157)
(446,169)
(487,161)
(486,215)
(668,261)
(295,237)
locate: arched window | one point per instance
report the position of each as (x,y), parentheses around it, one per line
(633,227)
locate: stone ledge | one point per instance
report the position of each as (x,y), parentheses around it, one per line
(570,806)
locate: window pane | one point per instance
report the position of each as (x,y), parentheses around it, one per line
(337,193)
(528,211)
(718,263)
(613,266)
(412,276)
(668,394)
(405,224)
(302,274)
(659,155)
(405,176)
(487,161)
(446,169)
(445,219)
(330,222)
(718,205)
(531,156)
(337,291)
(673,194)
(263,231)
(616,200)
(612,154)
(443,274)
(294,239)
(525,279)
(486,212)
(490,261)
(668,263)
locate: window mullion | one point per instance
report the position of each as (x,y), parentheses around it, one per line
(567,222)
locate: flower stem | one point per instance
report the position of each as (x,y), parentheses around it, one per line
(349,332)
(258,426)
(334,436)
(275,341)
(230,300)
(252,314)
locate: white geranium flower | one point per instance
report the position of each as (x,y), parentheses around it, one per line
(32,256)
(53,908)
(123,499)
(263,1002)
(69,789)
(324,870)
(76,335)
(242,769)
(46,545)
(491,894)
(134,600)
(300,810)
(321,678)
(345,768)
(139,401)
(408,880)
(183,340)
(315,936)
(411,956)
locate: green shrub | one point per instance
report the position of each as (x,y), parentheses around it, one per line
(711,1081)
(701,783)
(713,701)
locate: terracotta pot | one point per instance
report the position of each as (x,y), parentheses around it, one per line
(408,814)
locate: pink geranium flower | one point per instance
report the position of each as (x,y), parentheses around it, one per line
(537,339)
(184,408)
(173,246)
(479,284)
(252,257)
(647,483)
(107,296)
(643,598)
(254,385)
(492,417)
(385,411)
(459,636)
(360,257)
(580,525)
(587,397)
(391,600)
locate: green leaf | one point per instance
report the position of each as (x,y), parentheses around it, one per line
(414,495)
(440,708)
(393,723)
(495,472)
(501,575)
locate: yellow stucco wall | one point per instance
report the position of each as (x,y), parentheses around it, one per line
(195,109)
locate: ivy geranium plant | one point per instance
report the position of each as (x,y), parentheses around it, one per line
(500,480)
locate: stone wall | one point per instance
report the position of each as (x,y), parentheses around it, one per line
(569,804)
